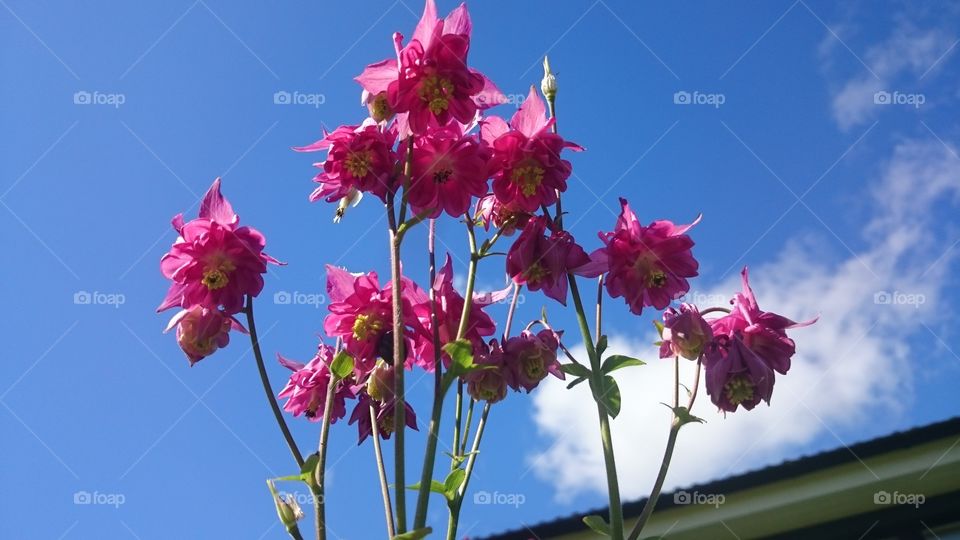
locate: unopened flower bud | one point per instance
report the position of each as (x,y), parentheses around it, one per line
(549,83)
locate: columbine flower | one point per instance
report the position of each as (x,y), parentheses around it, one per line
(762,332)
(429,79)
(530,357)
(490,211)
(448,169)
(543,262)
(306,391)
(359,158)
(526,165)
(648,264)
(488,384)
(201,331)
(735,375)
(214,262)
(685,333)
(384,411)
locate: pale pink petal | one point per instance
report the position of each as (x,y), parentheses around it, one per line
(458,22)
(492,127)
(428,23)
(376,77)
(532,116)
(216,208)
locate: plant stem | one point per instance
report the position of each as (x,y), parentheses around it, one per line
(606,437)
(382,472)
(466,428)
(513,308)
(454,520)
(271,398)
(599,325)
(320,472)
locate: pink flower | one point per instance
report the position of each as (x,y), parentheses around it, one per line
(429,79)
(306,391)
(648,264)
(201,331)
(490,211)
(530,357)
(358,157)
(489,384)
(762,332)
(735,375)
(685,333)
(526,165)
(384,411)
(214,262)
(448,169)
(449,309)
(543,262)
(361,313)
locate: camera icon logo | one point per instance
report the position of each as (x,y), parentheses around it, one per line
(282,298)
(881,497)
(282,97)
(882,97)
(681,98)
(681,497)
(82,98)
(481,497)
(82,298)
(882,298)
(82,497)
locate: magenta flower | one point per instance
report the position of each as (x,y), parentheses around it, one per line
(306,391)
(735,375)
(762,332)
(648,265)
(429,79)
(449,168)
(526,165)
(358,158)
(685,333)
(488,384)
(214,262)
(490,211)
(201,331)
(449,308)
(543,262)
(384,414)
(529,358)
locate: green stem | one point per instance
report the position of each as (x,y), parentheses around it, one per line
(271,398)
(381,471)
(320,472)
(466,428)
(454,520)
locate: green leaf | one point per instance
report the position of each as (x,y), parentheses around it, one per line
(684,416)
(610,396)
(310,464)
(342,365)
(575,382)
(618,361)
(461,354)
(659,326)
(601,345)
(577,370)
(436,486)
(414,535)
(453,482)
(597,524)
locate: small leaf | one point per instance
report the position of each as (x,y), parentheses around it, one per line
(453,482)
(610,396)
(342,365)
(597,524)
(684,416)
(575,382)
(618,361)
(601,345)
(659,326)
(310,464)
(414,535)
(461,352)
(436,486)
(577,370)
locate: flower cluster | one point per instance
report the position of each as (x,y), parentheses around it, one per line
(519,364)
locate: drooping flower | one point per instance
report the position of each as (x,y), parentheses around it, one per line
(201,331)
(735,375)
(214,262)
(306,390)
(529,358)
(543,262)
(762,332)
(685,333)
(526,166)
(359,158)
(649,265)
(448,169)
(491,211)
(429,80)
(384,411)
(488,384)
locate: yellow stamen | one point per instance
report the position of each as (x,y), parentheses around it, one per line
(436,91)
(216,276)
(533,367)
(528,178)
(358,163)
(535,273)
(365,326)
(738,389)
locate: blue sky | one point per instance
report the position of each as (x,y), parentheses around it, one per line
(830,167)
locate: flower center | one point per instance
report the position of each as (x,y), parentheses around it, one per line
(358,163)
(385,424)
(365,326)
(533,367)
(528,178)
(380,108)
(535,273)
(738,389)
(656,279)
(215,276)
(436,92)
(442,176)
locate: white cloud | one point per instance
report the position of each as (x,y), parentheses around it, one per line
(851,366)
